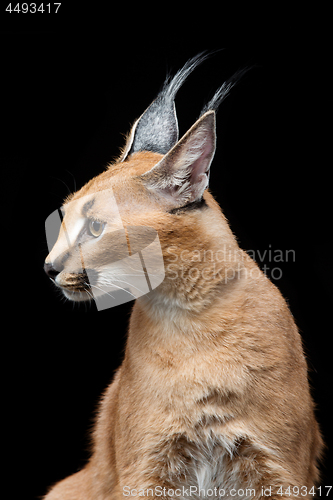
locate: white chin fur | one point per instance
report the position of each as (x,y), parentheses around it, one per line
(76,296)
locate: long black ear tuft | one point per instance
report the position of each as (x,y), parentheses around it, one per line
(157,128)
(224,90)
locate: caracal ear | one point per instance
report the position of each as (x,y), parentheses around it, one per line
(157,128)
(183,174)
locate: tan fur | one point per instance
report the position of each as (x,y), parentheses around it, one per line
(213,388)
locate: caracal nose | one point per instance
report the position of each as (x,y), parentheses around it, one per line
(50,270)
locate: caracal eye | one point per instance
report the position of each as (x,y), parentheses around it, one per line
(96,227)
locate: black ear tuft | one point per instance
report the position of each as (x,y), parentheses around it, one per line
(157,128)
(224,90)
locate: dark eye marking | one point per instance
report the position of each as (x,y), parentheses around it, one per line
(87,206)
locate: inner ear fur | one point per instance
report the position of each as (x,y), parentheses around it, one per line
(183,173)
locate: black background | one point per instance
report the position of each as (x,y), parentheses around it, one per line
(67,97)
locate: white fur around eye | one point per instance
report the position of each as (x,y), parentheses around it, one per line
(74,230)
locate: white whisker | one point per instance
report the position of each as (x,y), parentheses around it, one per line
(87,290)
(111,283)
(101,289)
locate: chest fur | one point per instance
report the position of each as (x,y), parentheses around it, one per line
(179,432)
